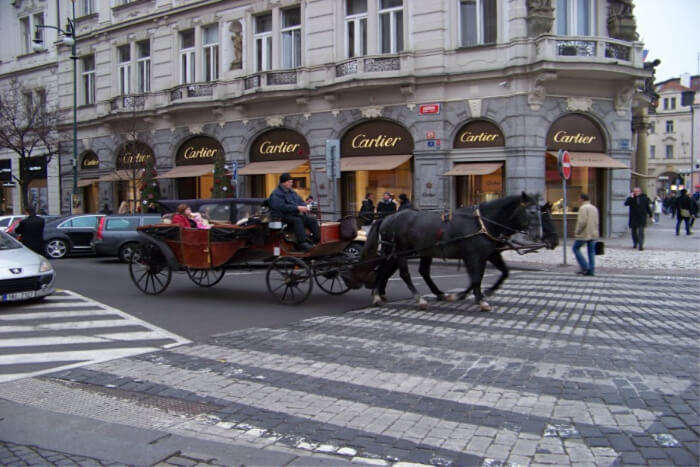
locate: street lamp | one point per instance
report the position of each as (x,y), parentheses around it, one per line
(688,98)
(69,40)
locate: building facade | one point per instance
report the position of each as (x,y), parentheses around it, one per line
(35,72)
(673,136)
(452,102)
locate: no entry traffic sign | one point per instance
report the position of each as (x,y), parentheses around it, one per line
(565,165)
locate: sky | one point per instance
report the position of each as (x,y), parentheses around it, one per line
(670,29)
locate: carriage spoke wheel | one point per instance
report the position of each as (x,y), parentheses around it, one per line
(328,278)
(206,277)
(149,270)
(289,280)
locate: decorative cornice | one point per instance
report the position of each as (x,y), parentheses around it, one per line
(581,104)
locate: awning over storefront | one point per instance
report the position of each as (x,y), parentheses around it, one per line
(475,168)
(184,171)
(593,159)
(351,164)
(86,182)
(271,167)
(121,175)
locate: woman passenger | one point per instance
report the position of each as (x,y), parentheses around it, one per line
(183,217)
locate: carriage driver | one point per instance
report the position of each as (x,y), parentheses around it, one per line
(288,205)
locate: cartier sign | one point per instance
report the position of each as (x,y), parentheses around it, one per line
(479,134)
(575,132)
(133,155)
(376,138)
(279,144)
(198,150)
(90,161)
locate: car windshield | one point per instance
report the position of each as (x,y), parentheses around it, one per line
(8,243)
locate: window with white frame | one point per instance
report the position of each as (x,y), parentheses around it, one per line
(355,28)
(669,126)
(87,72)
(143,65)
(210,52)
(390,26)
(28,30)
(669,151)
(263,42)
(86,7)
(652,128)
(291,37)
(673,103)
(575,17)
(665,103)
(652,152)
(124,65)
(187,57)
(478,21)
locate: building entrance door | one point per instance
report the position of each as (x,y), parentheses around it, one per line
(348,200)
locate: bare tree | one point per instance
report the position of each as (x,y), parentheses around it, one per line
(131,167)
(29,127)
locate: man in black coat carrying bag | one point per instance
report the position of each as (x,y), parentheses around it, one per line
(640,209)
(31,228)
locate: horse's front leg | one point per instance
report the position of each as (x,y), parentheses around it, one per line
(475,267)
(406,276)
(386,270)
(497,260)
(424,270)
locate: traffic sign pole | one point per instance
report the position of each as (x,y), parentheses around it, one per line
(564,162)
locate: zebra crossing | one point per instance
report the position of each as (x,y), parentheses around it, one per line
(67,330)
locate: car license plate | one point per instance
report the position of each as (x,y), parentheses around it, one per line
(18,296)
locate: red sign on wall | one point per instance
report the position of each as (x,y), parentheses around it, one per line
(429,109)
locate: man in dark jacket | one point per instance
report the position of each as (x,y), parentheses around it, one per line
(687,209)
(31,228)
(404,202)
(286,204)
(639,210)
(386,206)
(367,210)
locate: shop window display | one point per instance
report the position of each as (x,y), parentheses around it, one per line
(583,180)
(475,189)
(377,182)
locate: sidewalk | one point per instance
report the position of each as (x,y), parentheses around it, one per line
(664,253)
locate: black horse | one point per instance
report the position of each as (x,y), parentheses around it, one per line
(474,235)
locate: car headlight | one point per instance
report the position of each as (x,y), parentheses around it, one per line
(45,266)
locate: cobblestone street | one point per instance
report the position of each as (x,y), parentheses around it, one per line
(565,370)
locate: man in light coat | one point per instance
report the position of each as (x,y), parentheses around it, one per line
(587,231)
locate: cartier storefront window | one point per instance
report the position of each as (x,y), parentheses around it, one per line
(273,153)
(194,167)
(87,183)
(131,160)
(375,157)
(478,171)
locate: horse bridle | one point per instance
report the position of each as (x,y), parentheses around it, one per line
(484,229)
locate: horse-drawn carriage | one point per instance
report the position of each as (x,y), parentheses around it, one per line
(242,233)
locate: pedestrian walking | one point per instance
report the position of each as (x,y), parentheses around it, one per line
(687,209)
(657,208)
(386,206)
(404,202)
(367,210)
(31,228)
(587,232)
(639,210)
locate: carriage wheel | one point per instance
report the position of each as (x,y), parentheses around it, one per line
(149,270)
(206,277)
(289,280)
(328,278)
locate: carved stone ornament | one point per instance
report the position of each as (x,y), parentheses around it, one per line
(475,107)
(540,17)
(582,104)
(538,93)
(275,120)
(237,39)
(623,100)
(621,23)
(372,112)
(195,129)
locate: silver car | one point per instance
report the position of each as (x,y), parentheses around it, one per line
(24,275)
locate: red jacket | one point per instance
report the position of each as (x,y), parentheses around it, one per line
(181,220)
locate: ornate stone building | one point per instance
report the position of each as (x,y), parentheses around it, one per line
(450,101)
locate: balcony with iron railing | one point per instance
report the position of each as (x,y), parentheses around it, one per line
(589,49)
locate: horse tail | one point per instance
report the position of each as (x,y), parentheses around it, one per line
(372,242)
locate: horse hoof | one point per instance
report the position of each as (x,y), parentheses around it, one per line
(484,306)
(423,304)
(377,300)
(453,297)
(441,297)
